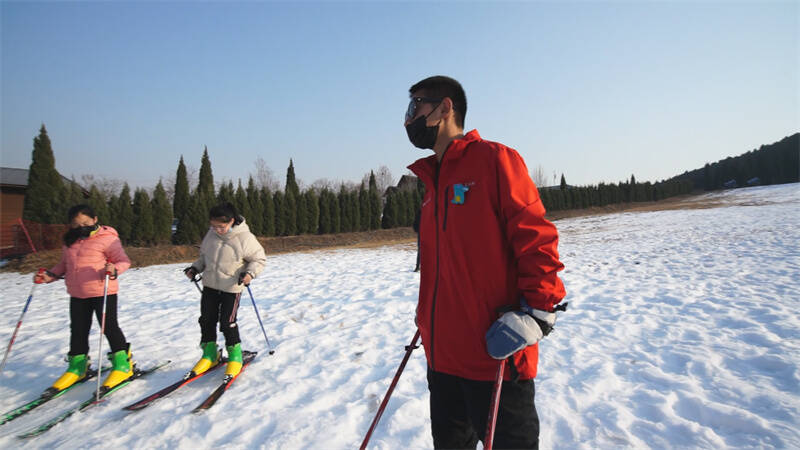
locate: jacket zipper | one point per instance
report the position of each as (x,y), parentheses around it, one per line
(436,282)
(446,206)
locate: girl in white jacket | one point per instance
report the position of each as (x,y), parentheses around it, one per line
(230,257)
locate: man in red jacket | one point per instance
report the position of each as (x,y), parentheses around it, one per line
(489,283)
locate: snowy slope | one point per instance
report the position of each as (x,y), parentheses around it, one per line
(682,331)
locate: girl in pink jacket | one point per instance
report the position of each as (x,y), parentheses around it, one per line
(90,250)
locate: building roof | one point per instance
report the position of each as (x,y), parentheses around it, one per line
(13,177)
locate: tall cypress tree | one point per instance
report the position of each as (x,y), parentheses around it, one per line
(312,211)
(344,210)
(268,226)
(289,214)
(280,213)
(374,203)
(291,180)
(226,193)
(98,203)
(242,205)
(363,206)
(180,202)
(162,215)
(143,230)
(302,215)
(256,218)
(325,223)
(124,218)
(205,184)
(44,196)
(74,194)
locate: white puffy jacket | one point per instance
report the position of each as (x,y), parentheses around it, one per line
(223,258)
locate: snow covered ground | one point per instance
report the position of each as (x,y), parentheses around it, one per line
(683,331)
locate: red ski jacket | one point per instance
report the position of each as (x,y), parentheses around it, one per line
(484,244)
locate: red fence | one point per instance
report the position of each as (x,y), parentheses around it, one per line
(20,237)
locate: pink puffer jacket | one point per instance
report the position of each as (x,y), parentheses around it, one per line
(82,264)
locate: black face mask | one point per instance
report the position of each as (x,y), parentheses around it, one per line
(421,135)
(73,234)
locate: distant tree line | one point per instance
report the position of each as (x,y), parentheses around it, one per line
(564,197)
(146,218)
(775,163)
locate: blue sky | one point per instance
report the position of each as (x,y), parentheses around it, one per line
(595,90)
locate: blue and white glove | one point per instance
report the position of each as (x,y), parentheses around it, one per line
(516,330)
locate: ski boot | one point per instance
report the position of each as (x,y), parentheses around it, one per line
(234,360)
(78,365)
(210,358)
(122,368)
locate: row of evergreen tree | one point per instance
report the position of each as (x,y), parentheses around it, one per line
(578,197)
(279,213)
(142,220)
(776,163)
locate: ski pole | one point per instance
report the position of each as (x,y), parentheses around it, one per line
(19,323)
(493,407)
(100,339)
(195,280)
(409,348)
(271,351)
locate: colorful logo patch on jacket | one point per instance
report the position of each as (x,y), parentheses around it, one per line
(459,194)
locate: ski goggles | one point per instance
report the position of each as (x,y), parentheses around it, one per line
(414,103)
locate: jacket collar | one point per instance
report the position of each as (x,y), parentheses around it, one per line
(425,168)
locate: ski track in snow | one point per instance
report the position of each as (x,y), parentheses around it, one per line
(682,331)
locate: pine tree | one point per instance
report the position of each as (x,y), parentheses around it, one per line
(289,214)
(563,182)
(374,203)
(312,211)
(226,193)
(205,184)
(180,202)
(98,203)
(291,181)
(162,215)
(363,206)
(336,213)
(268,226)
(74,194)
(44,196)
(325,222)
(302,214)
(143,230)
(124,218)
(242,205)
(256,218)
(344,210)
(355,213)
(280,213)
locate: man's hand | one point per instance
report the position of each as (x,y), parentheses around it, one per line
(516,330)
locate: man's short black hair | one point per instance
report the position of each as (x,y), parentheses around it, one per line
(440,86)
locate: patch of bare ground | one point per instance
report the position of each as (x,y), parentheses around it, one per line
(168,254)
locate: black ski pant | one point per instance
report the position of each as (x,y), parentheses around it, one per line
(218,306)
(80,322)
(460,408)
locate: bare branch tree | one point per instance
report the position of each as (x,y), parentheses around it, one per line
(539,176)
(264,177)
(107,186)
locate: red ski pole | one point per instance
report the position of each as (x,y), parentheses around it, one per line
(409,348)
(19,323)
(493,407)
